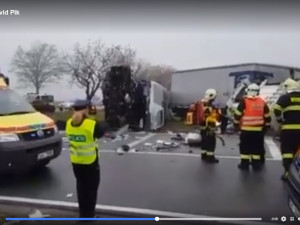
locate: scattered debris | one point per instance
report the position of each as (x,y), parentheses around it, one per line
(167,146)
(193,139)
(133,150)
(178,137)
(125,148)
(159,142)
(148,144)
(190,151)
(70,195)
(120,151)
(37,214)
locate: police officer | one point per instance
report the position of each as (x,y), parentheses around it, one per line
(209,126)
(252,116)
(287,112)
(83,133)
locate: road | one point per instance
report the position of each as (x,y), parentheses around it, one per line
(169,183)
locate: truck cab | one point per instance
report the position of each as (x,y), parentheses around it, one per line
(28,139)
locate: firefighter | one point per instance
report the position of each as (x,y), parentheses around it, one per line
(252,117)
(83,133)
(287,112)
(208,127)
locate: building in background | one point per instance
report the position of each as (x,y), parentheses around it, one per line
(188,86)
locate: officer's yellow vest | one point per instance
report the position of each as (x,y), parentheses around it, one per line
(83,146)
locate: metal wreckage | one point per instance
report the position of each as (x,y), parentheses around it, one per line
(125,99)
(142,104)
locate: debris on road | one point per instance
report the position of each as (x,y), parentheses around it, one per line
(160,142)
(125,148)
(148,144)
(193,139)
(167,146)
(178,137)
(37,214)
(120,151)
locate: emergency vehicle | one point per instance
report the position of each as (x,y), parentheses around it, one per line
(28,139)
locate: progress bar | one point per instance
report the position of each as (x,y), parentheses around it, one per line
(138,219)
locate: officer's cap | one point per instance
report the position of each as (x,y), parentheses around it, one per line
(81,104)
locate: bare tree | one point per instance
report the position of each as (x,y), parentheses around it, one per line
(38,66)
(89,65)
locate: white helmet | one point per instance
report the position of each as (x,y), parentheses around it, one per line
(252,90)
(210,94)
(291,85)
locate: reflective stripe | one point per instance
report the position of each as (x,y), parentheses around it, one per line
(203,151)
(252,117)
(291,108)
(253,123)
(243,156)
(210,153)
(253,120)
(77,153)
(252,128)
(236,121)
(256,157)
(278,107)
(287,155)
(94,145)
(237,112)
(290,127)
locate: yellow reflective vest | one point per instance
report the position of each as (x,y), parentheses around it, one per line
(83,146)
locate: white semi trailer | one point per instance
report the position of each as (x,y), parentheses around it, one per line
(188,86)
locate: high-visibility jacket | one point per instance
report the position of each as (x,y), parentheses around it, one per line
(287,111)
(83,146)
(252,114)
(211,115)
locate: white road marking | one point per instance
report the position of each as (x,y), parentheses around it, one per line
(137,142)
(107,208)
(180,154)
(274,150)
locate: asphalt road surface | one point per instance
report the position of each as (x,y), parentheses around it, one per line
(175,181)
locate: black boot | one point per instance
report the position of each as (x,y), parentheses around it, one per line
(263,160)
(284,176)
(212,159)
(203,156)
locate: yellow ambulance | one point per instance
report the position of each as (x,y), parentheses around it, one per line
(28,139)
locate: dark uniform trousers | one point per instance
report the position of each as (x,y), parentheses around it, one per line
(208,143)
(290,144)
(87,183)
(251,148)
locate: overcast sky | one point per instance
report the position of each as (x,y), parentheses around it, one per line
(184,36)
